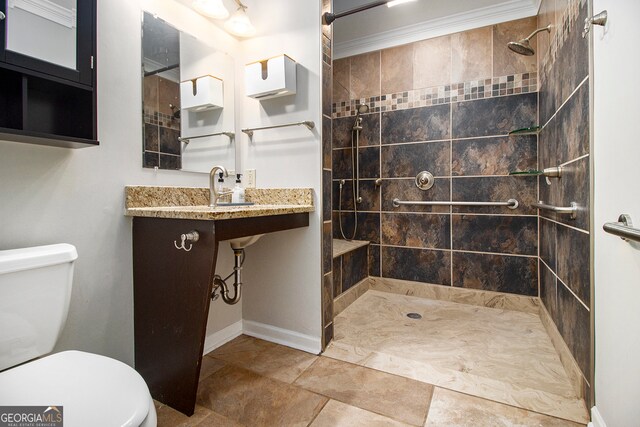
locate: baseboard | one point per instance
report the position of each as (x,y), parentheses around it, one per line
(285,337)
(216,339)
(596,418)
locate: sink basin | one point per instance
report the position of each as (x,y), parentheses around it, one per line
(243,242)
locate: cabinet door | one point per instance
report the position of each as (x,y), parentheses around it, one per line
(53,37)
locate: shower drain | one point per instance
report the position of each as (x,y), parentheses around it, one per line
(414,316)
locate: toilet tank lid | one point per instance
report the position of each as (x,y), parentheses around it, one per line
(13,260)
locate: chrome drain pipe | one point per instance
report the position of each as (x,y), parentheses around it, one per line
(220,284)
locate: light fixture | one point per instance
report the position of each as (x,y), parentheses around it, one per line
(211,8)
(329,17)
(239,23)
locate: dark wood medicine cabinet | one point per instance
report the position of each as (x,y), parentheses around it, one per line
(48,101)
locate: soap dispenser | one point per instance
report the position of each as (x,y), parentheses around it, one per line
(220,183)
(238,192)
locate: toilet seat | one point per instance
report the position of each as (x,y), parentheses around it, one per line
(93,390)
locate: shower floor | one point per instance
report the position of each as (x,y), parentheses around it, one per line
(501,355)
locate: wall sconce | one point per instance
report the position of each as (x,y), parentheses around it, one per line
(239,23)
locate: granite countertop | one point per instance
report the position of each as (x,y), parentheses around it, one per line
(193,203)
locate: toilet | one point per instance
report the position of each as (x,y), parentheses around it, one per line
(35,289)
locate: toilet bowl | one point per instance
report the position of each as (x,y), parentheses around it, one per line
(88,389)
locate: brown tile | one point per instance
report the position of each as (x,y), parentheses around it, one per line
(396,397)
(397,69)
(494,156)
(471,55)
(327,90)
(432,62)
(507,62)
(209,366)
(217,420)
(254,400)
(546,16)
(365,75)
(151,93)
(327,300)
(339,414)
(430,231)
(168,93)
(449,408)
(268,359)
(169,417)
(341,76)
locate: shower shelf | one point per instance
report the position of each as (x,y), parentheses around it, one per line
(533,130)
(553,172)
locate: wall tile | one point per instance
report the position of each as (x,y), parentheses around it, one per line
(430,231)
(494,116)
(374,260)
(327,335)
(326,142)
(368,226)
(574,262)
(416,124)
(327,90)
(407,160)
(169,143)
(151,160)
(151,137)
(419,265)
(548,293)
(327,248)
(369,162)
(471,55)
(326,195)
(548,144)
(343,131)
(546,16)
(168,161)
(548,94)
(496,189)
(574,187)
(432,62)
(397,69)
(337,276)
(327,30)
(574,325)
(573,57)
(499,273)
(151,93)
(365,75)
(507,62)
(573,126)
(168,93)
(343,200)
(494,156)
(548,243)
(342,164)
(354,267)
(327,299)
(341,80)
(405,189)
(501,234)
(369,192)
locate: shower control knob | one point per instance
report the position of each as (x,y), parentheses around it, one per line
(424,180)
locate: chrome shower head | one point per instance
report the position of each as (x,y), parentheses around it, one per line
(523,47)
(363,109)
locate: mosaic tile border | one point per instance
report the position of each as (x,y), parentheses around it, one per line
(157,118)
(569,17)
(445,94)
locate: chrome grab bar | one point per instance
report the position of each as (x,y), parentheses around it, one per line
(511,203)
(623,228)
(187,139)
(308,123)
(562,210)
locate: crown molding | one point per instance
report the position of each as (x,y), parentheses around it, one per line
(48,10)
(506,11)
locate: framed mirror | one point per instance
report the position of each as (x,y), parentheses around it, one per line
(188,100)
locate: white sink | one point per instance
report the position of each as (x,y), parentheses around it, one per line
(243,242)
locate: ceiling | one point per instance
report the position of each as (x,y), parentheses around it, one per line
(422,19)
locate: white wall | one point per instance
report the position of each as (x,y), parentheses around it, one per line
(50,195)
(283,270)
(617,263)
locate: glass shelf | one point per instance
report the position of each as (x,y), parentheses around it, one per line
(530,172)
(533,130)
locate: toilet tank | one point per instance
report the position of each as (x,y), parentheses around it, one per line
(35,288)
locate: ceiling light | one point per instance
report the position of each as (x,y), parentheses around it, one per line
(239,23)
(211,8)
(397,2)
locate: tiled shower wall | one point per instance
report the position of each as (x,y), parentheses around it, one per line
(444,105)
(161,129)
(565,286)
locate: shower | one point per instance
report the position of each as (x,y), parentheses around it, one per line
(523,47)
(355,172)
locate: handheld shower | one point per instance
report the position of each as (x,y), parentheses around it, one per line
(523,47)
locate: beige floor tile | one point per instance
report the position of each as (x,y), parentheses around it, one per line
(265,358)
(217,420)
(396,397)
(338,414)
(253,400)
(451,409)
(209,366)
(169,417)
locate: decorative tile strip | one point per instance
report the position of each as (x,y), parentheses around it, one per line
(156,118)
(446,94)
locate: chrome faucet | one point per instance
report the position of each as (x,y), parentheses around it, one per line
(214,196)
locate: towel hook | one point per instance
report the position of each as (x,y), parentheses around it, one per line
(599,19)
(191,236)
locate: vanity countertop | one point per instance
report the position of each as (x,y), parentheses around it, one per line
(193,203)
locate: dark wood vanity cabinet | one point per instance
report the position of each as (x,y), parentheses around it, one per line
(42,102)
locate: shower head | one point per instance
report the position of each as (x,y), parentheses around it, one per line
(523,47)
(362,109)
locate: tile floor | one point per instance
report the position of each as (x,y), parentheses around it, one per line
(250,382)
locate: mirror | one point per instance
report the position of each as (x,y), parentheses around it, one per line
(188,100)
(43,30)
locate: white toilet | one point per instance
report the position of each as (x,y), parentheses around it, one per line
(35,288)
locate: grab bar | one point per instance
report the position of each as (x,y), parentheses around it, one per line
(623,228)
(511,203)
(187,139)
(562,210)
(308,123)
